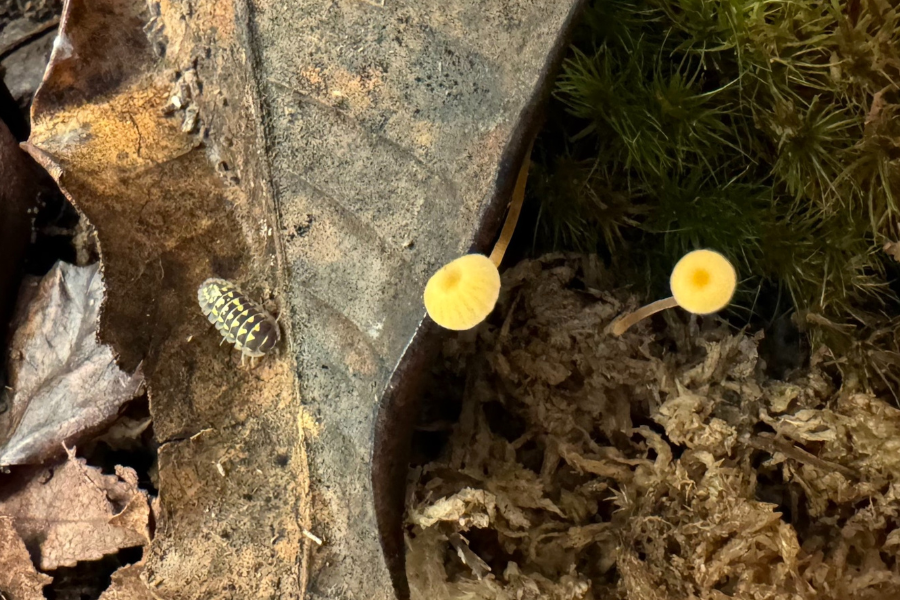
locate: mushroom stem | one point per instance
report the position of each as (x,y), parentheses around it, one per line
(515,208)
(622,324)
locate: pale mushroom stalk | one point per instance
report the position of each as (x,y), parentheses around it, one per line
(515,209)
(623,324)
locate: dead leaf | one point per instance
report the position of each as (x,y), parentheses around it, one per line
(18,578)
(21,181)
(65,384)
(127,584)
(74,513)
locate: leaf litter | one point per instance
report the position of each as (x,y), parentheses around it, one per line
(74,513)
(64,385)
(662,464)
(18,577)
(65,388)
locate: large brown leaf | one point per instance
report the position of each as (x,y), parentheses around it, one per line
(65,384)
(330,155)
(232,470)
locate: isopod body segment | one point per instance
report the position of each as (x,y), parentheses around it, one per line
(240,320)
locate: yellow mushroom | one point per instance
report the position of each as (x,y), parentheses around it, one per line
(702,282)
(463,293)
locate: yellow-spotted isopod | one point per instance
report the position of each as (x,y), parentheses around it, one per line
(240,320)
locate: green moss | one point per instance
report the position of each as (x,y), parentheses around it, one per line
(766,129)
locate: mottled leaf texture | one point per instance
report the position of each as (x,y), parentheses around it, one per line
(64,383)
(18,578)
(127,585)
(74,513)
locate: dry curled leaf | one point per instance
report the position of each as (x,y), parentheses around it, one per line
(65,383)
(18,578)
(74,513)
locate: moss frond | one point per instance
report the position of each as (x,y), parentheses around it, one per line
(579,208)
(812,143)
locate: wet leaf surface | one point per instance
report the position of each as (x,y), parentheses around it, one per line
(73,512)
(64,383)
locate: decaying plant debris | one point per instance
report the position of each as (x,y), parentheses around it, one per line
(64,386)
(662,464)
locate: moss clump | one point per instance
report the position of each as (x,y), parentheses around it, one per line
(765,130)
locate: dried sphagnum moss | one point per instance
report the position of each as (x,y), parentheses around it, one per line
(649,466)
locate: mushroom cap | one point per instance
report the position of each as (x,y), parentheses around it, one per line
(703,282)
(463,292)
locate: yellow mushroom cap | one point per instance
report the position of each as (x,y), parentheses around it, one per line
(703,282)
(463,293)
